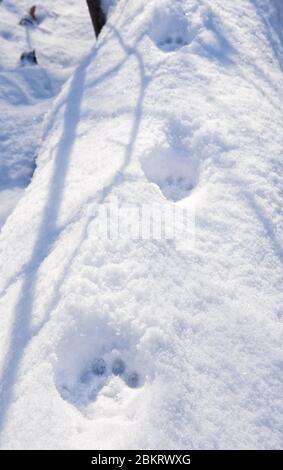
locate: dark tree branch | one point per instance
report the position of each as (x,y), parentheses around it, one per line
(97,15)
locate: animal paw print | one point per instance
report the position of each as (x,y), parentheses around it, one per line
(170,30)
(98,374)
(173,42)
(100,368)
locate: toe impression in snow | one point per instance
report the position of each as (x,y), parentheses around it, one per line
(118,367)
(99,367)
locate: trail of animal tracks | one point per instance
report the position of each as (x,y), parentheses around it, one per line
(133,341)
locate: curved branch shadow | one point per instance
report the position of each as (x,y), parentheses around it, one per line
(271,32)
(273,238)
(118,177)
(275,242)
(22,332)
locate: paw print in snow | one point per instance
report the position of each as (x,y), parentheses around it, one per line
(118,367)
(170,30)
(172,43)
(95,377)
(99,367)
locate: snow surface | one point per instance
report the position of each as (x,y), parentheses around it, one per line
(179,105)
(26,92)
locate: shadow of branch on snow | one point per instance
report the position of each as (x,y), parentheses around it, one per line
(48,231)
(21,331)
(273,29)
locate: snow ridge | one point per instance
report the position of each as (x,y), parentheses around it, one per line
(131,342)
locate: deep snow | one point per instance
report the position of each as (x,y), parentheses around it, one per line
(179,105)
(63,34)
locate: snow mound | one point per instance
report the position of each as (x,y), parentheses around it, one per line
(36,58)
(113,335)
